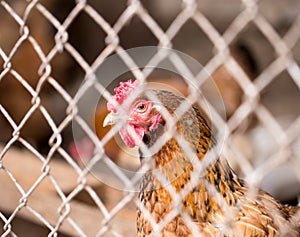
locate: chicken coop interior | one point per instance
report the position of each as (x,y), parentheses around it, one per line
(63,174)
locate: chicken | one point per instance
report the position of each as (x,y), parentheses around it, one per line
(144,123)
(83,149)
(224,85)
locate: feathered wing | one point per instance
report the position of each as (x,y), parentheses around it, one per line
(257,216)
(264,216)
(253,214)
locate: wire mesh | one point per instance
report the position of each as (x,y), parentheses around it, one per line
(50,54)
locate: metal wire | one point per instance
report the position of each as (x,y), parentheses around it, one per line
(252,89)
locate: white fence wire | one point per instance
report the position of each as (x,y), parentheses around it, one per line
(49,48)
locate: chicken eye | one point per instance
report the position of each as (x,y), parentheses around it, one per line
(141,107)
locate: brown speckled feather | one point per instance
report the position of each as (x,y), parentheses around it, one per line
(259,215)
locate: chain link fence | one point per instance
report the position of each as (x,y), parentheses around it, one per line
(50,51)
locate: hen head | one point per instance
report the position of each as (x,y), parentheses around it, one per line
(141,116)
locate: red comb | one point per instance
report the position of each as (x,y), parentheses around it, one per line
(121,93)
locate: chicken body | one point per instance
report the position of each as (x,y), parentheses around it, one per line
(252,215)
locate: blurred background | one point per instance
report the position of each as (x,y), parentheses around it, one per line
(262,38)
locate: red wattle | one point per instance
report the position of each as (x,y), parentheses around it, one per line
(130,139)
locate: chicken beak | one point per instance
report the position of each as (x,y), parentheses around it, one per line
(110,119)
